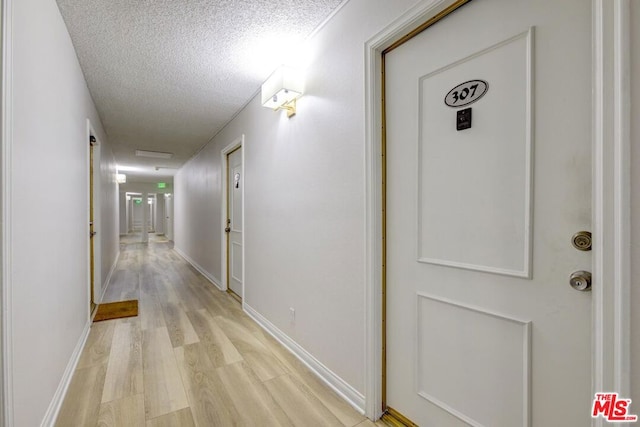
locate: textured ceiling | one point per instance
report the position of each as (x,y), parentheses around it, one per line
(166,75)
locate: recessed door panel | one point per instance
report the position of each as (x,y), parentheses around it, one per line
(486,168)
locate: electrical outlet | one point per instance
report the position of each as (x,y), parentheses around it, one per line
(292,314)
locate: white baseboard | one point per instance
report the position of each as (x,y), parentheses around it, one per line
(107,281)
(337,384)
(51,415)
(197,266)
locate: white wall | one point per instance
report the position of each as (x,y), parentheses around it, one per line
(196,204)
(304,198)
(48,275)
(635,212)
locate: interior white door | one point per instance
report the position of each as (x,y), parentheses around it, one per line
(169,216)
(160,214)
(234,221)
(151,217)
(483,328)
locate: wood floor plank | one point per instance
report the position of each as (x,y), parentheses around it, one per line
(300,405)
(337,405)
(181,418)
(257,355)
(164,390)
(98,347)
(236,314)
(187,297)
(211,298)
(124,282)
(210,402)
(131,289)
(116,284)
(220,349)
(178,324)
(124,371)
(148,280)
(126,412)
(81,405)
(150,311)
(188,284)
(253,401)
(165,288)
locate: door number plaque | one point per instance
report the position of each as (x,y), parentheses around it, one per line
(466,93)
(463,95)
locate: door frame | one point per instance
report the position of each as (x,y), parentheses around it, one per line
(95,295)
(6,129)
(611,141)
(92,223)
(237,143)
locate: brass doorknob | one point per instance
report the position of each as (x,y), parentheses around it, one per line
(580,281)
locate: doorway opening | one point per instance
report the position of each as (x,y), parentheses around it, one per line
(156,212)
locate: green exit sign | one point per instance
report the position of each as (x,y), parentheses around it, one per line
(137,201)
(162,185)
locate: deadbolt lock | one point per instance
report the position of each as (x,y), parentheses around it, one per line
(580,281)
(582,240)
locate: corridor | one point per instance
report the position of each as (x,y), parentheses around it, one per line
(191,358)
(446,232)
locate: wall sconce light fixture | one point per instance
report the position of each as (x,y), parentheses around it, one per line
(282,89)
(121,178)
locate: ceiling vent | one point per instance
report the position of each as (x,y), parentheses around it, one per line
(153,154)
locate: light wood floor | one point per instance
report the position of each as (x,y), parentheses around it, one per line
(191,358)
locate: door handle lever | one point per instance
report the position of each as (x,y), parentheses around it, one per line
(227,230)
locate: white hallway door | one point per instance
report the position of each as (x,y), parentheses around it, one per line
(483,327)
(234,221)
(169,216)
